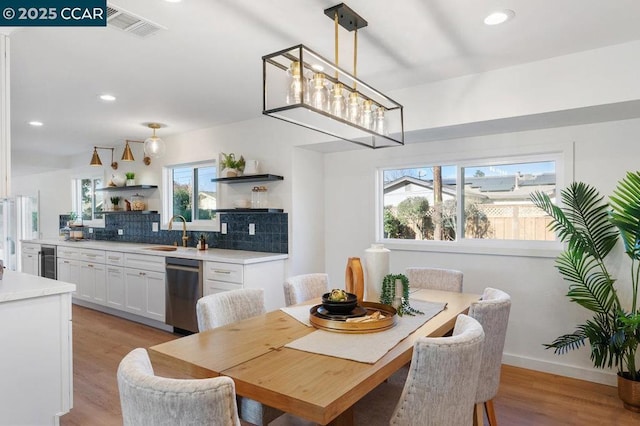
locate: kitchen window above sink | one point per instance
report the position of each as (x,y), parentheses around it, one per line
(189,192)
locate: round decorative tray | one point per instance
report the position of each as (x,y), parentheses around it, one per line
(350,323)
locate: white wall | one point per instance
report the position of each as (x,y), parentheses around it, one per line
(54,189)
(540,312)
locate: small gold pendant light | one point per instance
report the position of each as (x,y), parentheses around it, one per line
(95,159)
(127,155)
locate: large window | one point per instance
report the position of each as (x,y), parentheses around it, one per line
(87,202)
(472,200)
(191,193)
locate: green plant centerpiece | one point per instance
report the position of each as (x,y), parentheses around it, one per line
(230,164)
(591,228)
(130,175)
(388,294)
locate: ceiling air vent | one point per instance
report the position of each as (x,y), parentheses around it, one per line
(130,23)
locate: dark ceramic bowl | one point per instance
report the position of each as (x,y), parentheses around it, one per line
(340,307)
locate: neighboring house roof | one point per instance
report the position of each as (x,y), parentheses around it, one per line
(427,184)
(496,188)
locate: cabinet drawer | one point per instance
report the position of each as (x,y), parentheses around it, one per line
(68,253)
(144,261)
(90,255)
(115,258)
(30,248)
(212,286)
(228,272)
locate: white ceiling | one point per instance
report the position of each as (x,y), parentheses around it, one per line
(205,68)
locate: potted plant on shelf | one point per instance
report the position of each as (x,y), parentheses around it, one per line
(591,228)
(131,178)
(115,201)
(230,166)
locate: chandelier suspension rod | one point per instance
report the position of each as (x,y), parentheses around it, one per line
(335,19)
(355,56)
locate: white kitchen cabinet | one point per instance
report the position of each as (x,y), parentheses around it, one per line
(92,284)
(116,295)
(85,268)
(30,258)
(69,271)
(221,276)
(145,285)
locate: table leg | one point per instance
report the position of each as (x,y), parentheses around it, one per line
(344,419)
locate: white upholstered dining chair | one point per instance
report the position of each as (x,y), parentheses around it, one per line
(435,278)
(443,376)
(299,288)
(216,310)
(147,399)
(492,312)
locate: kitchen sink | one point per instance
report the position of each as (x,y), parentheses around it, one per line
(162,248)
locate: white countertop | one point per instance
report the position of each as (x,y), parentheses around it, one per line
(216,255)
(18,286)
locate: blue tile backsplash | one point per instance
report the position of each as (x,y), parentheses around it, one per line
(271,233)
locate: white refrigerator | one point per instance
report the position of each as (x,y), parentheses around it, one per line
(19,220)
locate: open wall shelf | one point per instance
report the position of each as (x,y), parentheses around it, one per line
(267,210)
(127,188)
(248,178)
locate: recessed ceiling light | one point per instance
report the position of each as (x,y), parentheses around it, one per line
(107,97)
(35,123)
(499,17)
(317,67)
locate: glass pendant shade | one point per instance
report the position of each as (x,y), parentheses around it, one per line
(154,147)
(354,110)
(298,85)
(380,122)
(338,103)
(319,92)
(95,159)
(366,117)
(127,155)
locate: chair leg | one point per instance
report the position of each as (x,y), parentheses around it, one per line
(478,415)
(491,413)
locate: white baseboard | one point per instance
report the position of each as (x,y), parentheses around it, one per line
(605,377)
(126,315)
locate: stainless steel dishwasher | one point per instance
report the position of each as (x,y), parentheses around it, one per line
(184,288)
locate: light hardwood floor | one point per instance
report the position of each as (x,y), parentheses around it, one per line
(526,397)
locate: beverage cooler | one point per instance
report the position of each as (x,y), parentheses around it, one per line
(19,220)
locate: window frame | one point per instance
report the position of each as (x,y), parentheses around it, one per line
(76,202)
(561,153)
(211,225)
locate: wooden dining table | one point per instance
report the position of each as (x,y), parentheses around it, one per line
(319,388)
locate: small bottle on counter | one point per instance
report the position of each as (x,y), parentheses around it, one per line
(202,243)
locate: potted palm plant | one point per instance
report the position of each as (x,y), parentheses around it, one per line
(591,228)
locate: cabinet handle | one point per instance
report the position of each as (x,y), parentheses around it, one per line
(90,265)
(217,271)
(142,273)
(66,261)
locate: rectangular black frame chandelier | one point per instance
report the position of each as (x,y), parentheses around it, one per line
(302,87)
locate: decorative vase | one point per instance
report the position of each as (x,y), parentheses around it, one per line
(354,278)
(376,261)
(629,393)
(229,172)
(131,182)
